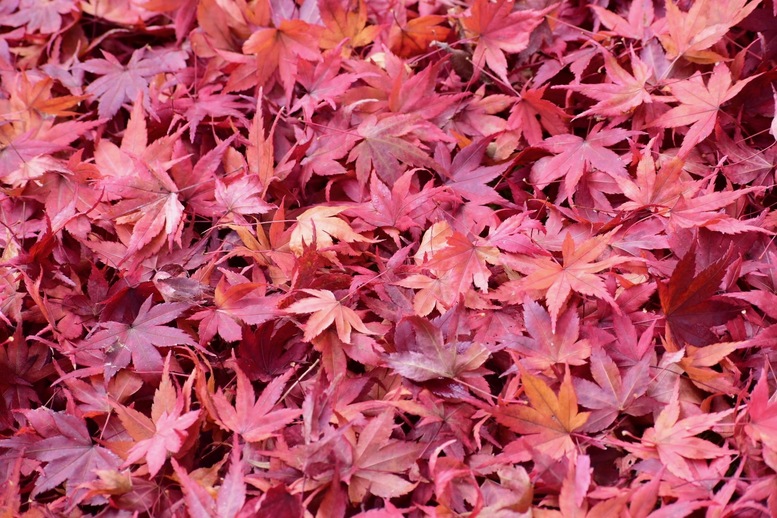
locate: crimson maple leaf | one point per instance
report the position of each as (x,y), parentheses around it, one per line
(319,225)
(43,17)
(378,460)
(230,497)
(121,83)
(278,48)
(531,114)
(465,261)
(689,303)
(653,190)
(139,340)
(762,423)
(623,92)
(66,450)
(213,104)
(323,82)
(242,196)
(468,178)
(497,28)
(345,22)
(700,104)
(423,354)
(401,207)
(638,23)
(690,34)
(254,418)
(415,35)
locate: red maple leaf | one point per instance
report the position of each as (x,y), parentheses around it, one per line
(575,156)
(700,104)
(466,262)
(612,393)
(413,37)
(390,142)
(254,418)
(121,83)
(378,460)
(66,450)
(531,114)
(278,48)
(623,92)
(423,354)
(43,17)
(467,177)
(673,440)
(762,423)
(327,310)
(161,434)
(689,303)
(546,348)
(138,341)
(244,302)
(497,28)
(555,280)
(230,495)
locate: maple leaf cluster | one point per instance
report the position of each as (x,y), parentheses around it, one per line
(359,258)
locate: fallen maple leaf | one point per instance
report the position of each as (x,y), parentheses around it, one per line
(345,23)
(120,83)
(139,340)
(577,272)
(415,36)
(575,156)
(164,432)
(278,48)
(700,104)
(550,420)
(466,262)
(497,28)
(546,348)
(672,440)
(377,460)
(612,392)
(623,93)
(387,143)
(690,34)
(319,225)
(423,355)
(327,310)
(254,418)
(66,449)
(689,303)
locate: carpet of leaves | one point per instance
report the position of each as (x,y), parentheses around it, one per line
(376,258)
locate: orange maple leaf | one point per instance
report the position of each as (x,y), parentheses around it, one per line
(549,420)
(414,37)
(345,23)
